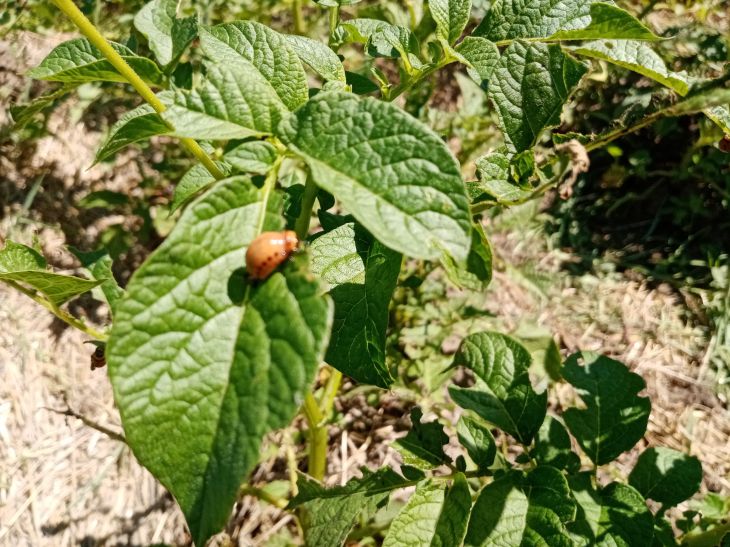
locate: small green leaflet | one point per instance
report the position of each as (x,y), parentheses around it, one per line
(477,274)
(451,17)
(495,182)
(134,126)
(167,35)
(24,113)
(77,62)
(454,518)
(423,446)
(255,157)
(608,22)
(553,446)
(615,417)
(390,171)
(194,181)
(503,394)
(666,476)
(478,441)
(193,338)
(384,40)
(99,264)
(21,264)
(636,56)
(529,87)
(483,57)
(415,525)
(362,274)
(255,52)
(318,56)
(721,116)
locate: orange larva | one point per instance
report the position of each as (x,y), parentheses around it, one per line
(268,251)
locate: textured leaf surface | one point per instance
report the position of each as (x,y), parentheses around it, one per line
(362,274)
(423,446)
(504,395)
(615,417)
(77,61)
(454,518)
(476,274)
(495,182)
(99,264)
(318,56)
(195,180)
(523,511)
(478,441)
(390,171)
(383,39)
(553,446)
(229,104)
(167,35)
(451,17)
(251,157)
(328,515)
(415,525)
(636,56)
(483,56)
(666,476)
(615,516)
(204,364)
(721,116)
(134,126)
(26,266)
(511,19)
(262,54)
(608,22)
(529,87)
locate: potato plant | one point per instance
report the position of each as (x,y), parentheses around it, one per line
(205,359)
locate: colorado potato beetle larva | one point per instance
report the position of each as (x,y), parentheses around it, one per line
(98,359)
(268,251)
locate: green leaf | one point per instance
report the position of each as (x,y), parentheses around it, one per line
(204,363)
(362,274)
(529,87)
(383,39)
(615,417)
(252,157)
(615,516)
(389,170)
(261,54)
(523,511)
(24,113)
(106,199)
(477,273)
(328,515)
(720,115)
(478,441)
(515,19)
(16,257)
(495,182)
(454,518)
(699,102)
(318,56)
(99,264)
(666,476)
(636,56)
(133,126)
(553,446)
(451,17)
(502,395)
(195,180)
(77,61)
(167,35)
(608,22)
(423,446)
(415,525)
(483,56)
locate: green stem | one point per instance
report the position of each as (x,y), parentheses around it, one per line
(58,312)
(263,495)
(327,400)
(301,226)
(408,83)
(317,462)
(334,23)
(88,29)
(300,25)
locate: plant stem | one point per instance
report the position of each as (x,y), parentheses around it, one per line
(410,82)
(58,312)
(263,495)
(300,25)
(301,226)
(317,461)
(88,29)
(326,403)
(334,23)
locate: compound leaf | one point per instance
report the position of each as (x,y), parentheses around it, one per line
(204,363)
(167,35)
(415,524)
(318,56)
(451,17)
(666,476)
(260,54)
(503,394)
(77,61)
(423,446)
(636,56)
(393,174)
(529,87)
(133,126)
(615,417)
(362,274)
